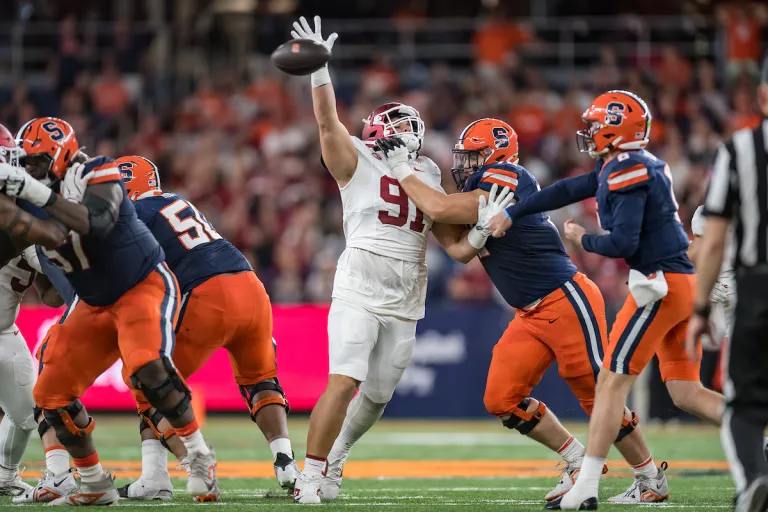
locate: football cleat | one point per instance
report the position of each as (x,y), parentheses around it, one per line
(90,494)
(307,490)
(14,487)
(588,504)
(331,482)
(645,490)
(202,483)
(286,471)
(150,490)
(755,497)
(49,488)
(569,473)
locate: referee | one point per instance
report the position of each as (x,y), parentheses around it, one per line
(738,193)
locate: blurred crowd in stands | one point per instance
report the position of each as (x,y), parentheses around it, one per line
(246,151)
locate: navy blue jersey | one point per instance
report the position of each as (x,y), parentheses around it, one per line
(193,249)
(51,271)
(102,270)
(635,204)
(529,261)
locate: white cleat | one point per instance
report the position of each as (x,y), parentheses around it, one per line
(307,490)
(14,487)
(90,494)
(202,483)
(286,471)
(569,473)
(331,482)
(160,489)
(645,490)
(49,488)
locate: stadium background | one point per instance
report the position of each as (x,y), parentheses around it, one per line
(189,85)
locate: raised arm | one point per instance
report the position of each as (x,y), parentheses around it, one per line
(338,151)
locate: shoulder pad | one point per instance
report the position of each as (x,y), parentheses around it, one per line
(503,175)
(104,170)
(625,173)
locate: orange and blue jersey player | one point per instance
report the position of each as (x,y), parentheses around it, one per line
(560,312)
(636,205)
(126,307)
(224,304)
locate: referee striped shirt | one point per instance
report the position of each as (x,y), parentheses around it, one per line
(739,191)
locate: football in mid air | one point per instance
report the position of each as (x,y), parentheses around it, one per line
(300,56)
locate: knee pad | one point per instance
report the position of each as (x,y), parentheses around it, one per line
(522,420)
(249,395)
(151,421)
(62,421)
(42,424)
(627,426)
(158,395)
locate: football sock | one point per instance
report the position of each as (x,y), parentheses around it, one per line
(13,443)
(572,451)
(587,484)
(193,438)
(362,414)
(280,445)
(647,468)
(154,460)
(314,466)
(89,468)
(57,460)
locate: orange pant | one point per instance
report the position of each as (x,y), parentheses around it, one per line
(231,311)
(87,340)
(657,328)
(567,326)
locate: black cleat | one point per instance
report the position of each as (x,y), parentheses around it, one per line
(588,504)
(123,491)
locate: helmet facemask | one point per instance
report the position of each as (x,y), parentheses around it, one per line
(394,119)
(465,163)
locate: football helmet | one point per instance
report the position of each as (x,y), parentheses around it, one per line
(388,120)
(48,145)
(482,142)
(9,152)
(140,176)
(615,120)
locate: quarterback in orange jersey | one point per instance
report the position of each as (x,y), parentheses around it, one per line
(560,312)
(223,305)
(127,306)
(637,207)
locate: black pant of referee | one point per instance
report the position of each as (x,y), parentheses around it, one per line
(746,384)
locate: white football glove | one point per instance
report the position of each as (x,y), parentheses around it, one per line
(486,210)
(19,183)
(301,30)
(74,183)
(397,155)
(30,254)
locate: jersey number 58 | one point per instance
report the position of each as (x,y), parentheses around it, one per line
(196,223)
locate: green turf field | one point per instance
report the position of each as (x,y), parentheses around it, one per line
(699,481)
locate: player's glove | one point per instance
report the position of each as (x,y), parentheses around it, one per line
(486,210)
(720,293)
(396,152)
(30,255)
(18,183)
(301,30)
(74,183)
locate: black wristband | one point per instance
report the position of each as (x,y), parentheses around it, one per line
(51,199)
(702,311)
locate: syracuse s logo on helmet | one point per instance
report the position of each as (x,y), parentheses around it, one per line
(126,171)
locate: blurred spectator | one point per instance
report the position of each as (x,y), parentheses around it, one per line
(109,95)
(743,24)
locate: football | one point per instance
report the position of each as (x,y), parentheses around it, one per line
(300,56)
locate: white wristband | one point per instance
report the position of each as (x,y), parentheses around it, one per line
(320,77)
(35,192)
(402,171)
(30,255)
(477,237)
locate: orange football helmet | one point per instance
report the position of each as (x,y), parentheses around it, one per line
(140,176)
(485,141)
(615,120)
(49,144)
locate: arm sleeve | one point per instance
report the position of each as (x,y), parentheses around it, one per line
(722,193)
(624,238)
(562,193)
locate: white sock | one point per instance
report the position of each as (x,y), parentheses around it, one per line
(57,460)
(91,473)
(589,479)
(195,443)
(362,414)
(572,451)
(280,445)
(647,468)
(154,461)
(13,444)
(314,466)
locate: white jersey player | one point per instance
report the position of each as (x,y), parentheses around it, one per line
(724,292)
(381,278)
